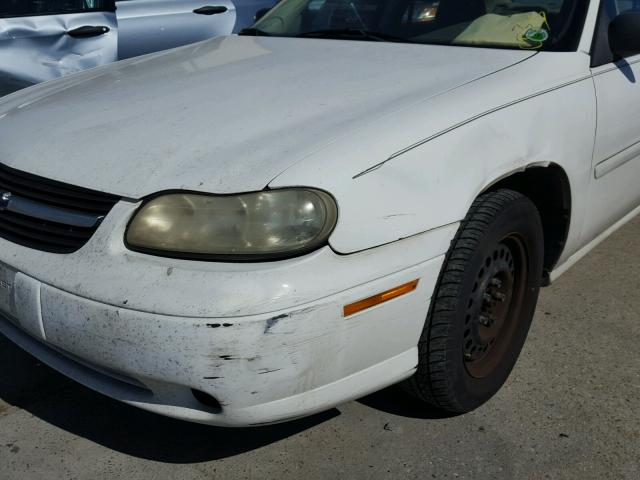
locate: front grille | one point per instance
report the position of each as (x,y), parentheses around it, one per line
(45,235)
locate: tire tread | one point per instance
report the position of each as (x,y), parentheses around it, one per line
(431,382)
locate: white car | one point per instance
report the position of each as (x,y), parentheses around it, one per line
(347,196)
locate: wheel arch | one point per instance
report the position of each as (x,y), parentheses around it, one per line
(553,201)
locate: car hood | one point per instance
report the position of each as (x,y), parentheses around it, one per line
(226,115)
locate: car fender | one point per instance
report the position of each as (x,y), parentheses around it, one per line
(433,181)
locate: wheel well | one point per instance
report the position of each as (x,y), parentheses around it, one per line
(549,189)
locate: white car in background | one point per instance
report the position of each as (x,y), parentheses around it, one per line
(348,195)
(45,39)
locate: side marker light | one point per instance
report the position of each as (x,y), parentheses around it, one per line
(380,298)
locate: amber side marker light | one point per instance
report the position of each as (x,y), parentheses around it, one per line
(380,298)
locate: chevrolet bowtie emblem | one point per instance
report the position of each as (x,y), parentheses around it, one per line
(4,200)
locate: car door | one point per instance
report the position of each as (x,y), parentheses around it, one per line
(616,166)
(45,39)
(147,26)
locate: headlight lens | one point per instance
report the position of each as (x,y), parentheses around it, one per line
(269,224)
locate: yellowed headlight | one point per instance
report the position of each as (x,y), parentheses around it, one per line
(263,224)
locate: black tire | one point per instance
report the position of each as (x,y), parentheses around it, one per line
(483,304)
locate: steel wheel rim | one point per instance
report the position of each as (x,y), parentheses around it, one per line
(493,306)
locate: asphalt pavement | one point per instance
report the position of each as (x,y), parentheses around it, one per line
(571,409)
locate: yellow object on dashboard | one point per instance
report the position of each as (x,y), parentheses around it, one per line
(524,30)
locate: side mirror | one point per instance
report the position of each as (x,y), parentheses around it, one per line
(624,34)
(260,13)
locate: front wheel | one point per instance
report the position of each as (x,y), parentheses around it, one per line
(483,304)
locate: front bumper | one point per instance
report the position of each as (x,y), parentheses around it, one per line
(284,351)
(261,368)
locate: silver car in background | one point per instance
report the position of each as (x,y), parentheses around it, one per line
(146,26)
(45,39)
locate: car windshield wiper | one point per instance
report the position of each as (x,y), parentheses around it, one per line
(353,32)
(254,31)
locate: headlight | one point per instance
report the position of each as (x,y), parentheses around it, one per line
(251,226)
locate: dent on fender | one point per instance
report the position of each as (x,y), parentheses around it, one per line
(508,173)
(460,165)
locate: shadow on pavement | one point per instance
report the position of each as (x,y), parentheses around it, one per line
(48,395)
(29,385)
(397,402)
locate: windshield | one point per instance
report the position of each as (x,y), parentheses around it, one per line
(519,24)
(24,8)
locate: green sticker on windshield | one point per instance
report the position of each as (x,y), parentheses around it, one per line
(537,35)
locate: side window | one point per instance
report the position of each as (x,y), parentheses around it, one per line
(609,10)
(622,6)
(24,8)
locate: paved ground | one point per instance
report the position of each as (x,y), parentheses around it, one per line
(570,410)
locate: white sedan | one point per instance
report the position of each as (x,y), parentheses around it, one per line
(348,195)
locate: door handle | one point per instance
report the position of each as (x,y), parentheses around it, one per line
(210,10)
(88,31)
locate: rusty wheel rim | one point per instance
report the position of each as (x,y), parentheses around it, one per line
(493,307)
